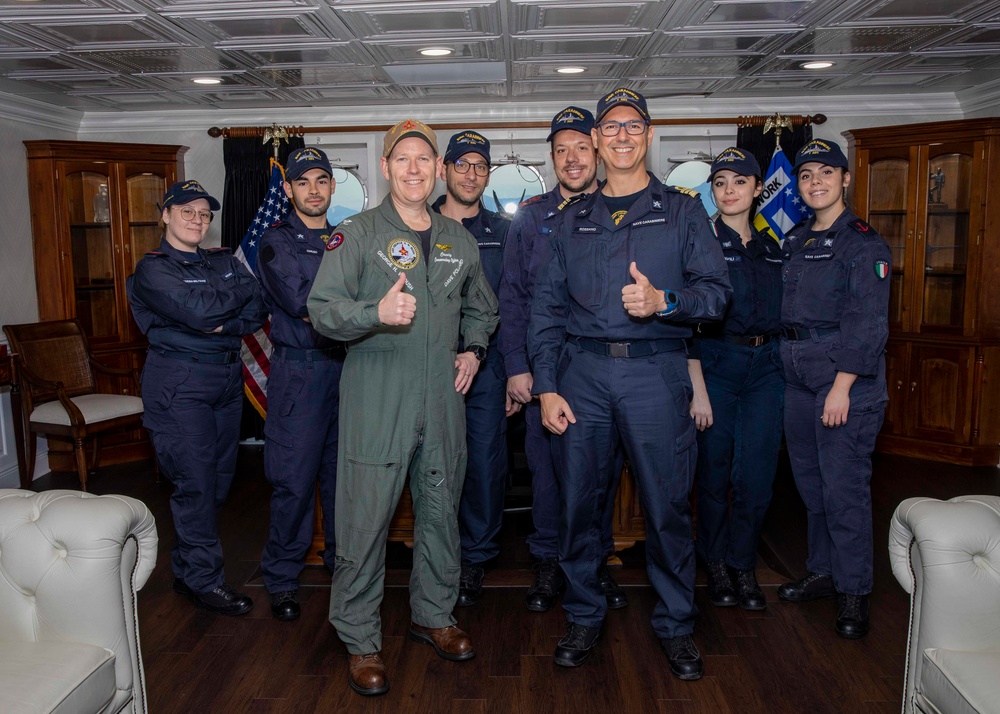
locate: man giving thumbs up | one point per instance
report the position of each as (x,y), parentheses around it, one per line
(630,268)
(400,283)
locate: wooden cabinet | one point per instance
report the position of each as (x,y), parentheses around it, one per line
(93,216)
(926,189)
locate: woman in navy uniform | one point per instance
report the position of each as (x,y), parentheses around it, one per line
(834,322)
(194,305)
(735,369)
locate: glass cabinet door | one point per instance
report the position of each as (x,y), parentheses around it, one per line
(889,196)
(946,243)
(144,190)
(88,202)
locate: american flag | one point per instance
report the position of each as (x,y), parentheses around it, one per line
(256,350)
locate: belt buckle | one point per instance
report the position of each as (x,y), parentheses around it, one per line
(757,340)
(618,349)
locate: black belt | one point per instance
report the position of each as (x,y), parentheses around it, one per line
(745,341)
(297,354)
(806,333)
(636,348)
(203,357)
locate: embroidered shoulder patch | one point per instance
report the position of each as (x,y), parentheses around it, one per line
(882,269)
(335,241)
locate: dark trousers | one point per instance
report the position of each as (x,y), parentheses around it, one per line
(192,413)
(739,450)
(644,402)
(832,466)
(480,512)
(545,504)
(300,451)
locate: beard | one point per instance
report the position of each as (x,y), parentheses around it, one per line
(307,210)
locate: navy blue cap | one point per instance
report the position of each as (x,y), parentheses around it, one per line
(465,142)
(302,160)
(622,96)
(573,118)
(736,160)
(186,191)
(828,153)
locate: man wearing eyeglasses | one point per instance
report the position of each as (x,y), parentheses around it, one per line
(300,433)
(575,162)
(466,173)
(629,268)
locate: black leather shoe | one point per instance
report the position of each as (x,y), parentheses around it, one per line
(224,601)
(852,616)
(470,587)
(685,660)
(285,605)
(549,583)
(613,593)
(720,586)
(811,587)
(750,596)
(181,587)
(574,648)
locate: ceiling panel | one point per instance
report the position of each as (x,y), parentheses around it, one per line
(136,54)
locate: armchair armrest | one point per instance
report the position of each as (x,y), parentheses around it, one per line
(75,415)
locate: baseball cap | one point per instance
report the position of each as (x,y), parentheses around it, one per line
(186,191)
(302,160)
(825,152)
(622,95)
(736,160)
(405,129)
(465,142)
(573,118)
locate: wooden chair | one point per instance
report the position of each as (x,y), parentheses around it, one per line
(59,393)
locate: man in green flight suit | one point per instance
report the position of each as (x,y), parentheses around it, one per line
(401,284)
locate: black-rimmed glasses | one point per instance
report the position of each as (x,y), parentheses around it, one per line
(463,166)
(633,127)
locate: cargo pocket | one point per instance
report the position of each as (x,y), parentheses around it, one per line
(371,489)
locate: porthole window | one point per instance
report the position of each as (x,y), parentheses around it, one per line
(349,197)
(509,185)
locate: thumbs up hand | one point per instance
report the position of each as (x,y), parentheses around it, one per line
(641,299)
(397,307)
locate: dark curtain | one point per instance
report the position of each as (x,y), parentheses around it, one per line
(761,145)
(248,171)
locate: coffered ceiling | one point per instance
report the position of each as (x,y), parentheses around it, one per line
(128,55)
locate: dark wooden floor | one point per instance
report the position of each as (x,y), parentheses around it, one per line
(784,659)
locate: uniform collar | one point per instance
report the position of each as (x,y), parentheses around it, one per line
(651,200)
(301,229)
(183,256)
(467,223)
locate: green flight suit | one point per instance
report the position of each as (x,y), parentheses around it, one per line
(399,411)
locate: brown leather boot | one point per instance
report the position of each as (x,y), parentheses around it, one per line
(449,642)
(367,674)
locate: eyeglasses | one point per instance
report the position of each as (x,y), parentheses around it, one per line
(188,214)
(611,128)
(463,167)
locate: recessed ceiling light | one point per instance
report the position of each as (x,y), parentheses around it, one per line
(571,70)
(207,80)
(817,64)
(436,51)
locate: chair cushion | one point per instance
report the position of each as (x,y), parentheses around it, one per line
(960,682)
(94,407)
(57,677)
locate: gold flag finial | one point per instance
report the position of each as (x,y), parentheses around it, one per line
(778,123)
(275,134)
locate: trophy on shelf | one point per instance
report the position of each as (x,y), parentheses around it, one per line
(934,192)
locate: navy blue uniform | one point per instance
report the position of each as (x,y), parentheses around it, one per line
(834,317)
(527,242)
(626,378)
(192,388)
(480,513)
(300,432)
(741,363)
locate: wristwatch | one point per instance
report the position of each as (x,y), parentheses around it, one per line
(479,351)
(670,297)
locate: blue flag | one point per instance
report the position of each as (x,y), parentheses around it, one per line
(780,207)
(256,350)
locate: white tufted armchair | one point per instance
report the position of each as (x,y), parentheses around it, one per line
(70,565)
(946,554)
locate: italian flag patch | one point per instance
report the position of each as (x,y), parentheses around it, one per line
(882,269)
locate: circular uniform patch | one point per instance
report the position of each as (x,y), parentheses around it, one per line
(334,241)
(403,253)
